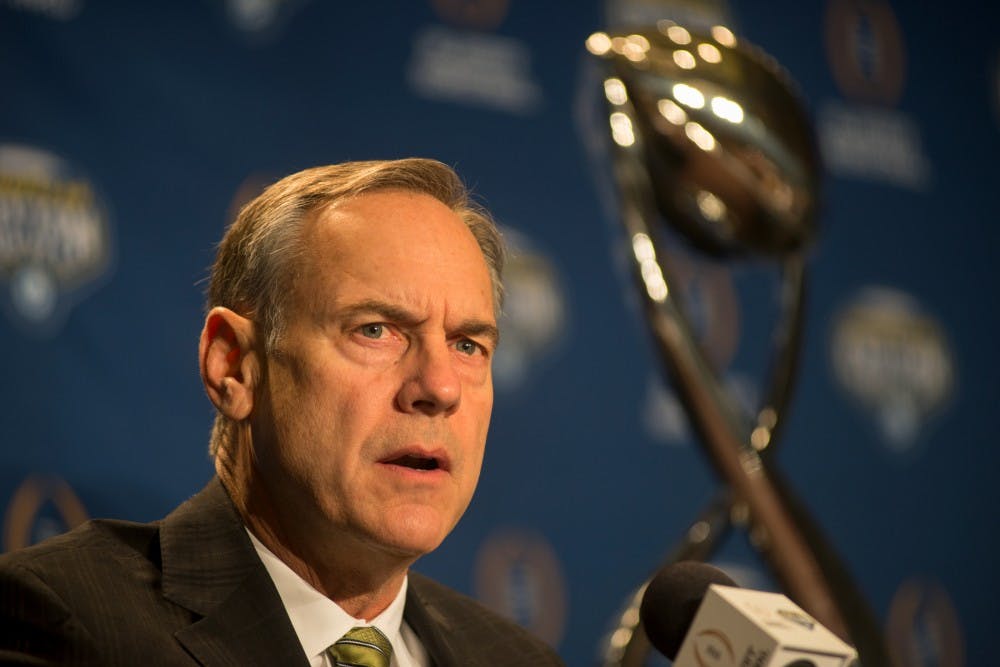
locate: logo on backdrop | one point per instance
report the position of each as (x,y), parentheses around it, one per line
(865,49)
(534,312)
(866,138)
(518,575)
(923,628)
(43,506)
(473,66)
(54,236)
(895,360)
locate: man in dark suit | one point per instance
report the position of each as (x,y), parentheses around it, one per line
(351,322)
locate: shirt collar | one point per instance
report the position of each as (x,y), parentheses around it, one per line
(319,621)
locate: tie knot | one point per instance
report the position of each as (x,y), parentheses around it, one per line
(361,647)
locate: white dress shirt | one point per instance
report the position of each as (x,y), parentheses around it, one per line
(319,622)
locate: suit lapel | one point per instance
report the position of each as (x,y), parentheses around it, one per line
(246,629)
(430,625)
(210,567)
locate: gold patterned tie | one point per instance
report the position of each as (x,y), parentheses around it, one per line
(361,647)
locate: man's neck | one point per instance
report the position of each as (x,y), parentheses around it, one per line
(360,579)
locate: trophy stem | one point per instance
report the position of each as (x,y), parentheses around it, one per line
(772,528)
(780,528)
(717,422)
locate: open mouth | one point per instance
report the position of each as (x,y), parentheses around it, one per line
(416,462)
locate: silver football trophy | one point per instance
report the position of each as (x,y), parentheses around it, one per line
(713,149)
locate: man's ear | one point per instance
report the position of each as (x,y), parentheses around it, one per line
(229,362)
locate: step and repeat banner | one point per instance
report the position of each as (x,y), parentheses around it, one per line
(131,132)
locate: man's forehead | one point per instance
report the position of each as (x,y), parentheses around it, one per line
(397,246)
(392,211)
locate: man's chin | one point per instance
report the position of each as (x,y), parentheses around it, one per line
(414,534)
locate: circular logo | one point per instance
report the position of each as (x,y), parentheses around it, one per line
(519,576)
(54,235)
(712,648)
(41,507)
(894,359)
(923,629)
(864,46)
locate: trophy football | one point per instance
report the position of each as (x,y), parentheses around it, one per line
(712,146)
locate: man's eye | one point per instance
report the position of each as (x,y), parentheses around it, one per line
(372,330)
(466,346)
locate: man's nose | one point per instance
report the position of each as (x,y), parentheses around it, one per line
(432,385)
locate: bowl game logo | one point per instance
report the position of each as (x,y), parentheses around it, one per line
(866,50)
(519,575)
(41,507)
(54,236)
(864,136)
(895,360)
(464,60)
(923,628)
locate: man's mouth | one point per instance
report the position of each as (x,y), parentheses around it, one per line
(418,461)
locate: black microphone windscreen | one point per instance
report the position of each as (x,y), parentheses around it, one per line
(672,599)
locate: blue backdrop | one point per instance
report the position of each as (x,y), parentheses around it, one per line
(130,131)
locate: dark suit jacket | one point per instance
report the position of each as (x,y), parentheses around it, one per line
(191,590)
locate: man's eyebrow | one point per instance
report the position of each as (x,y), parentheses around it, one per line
(390,312)
(481,328)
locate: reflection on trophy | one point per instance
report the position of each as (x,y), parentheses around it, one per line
(710,138)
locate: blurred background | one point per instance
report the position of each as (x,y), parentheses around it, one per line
(131,132)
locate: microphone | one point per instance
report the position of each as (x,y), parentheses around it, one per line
(695,615)
(672,599)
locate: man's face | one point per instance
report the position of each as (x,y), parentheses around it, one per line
(377,399)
